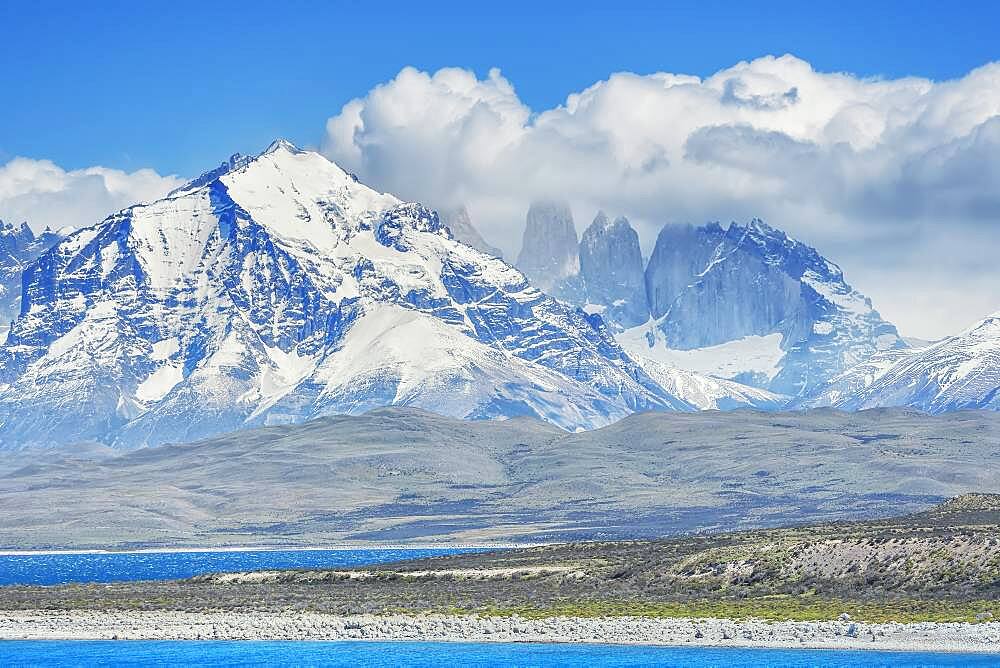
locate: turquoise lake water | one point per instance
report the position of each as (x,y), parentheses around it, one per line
(61,568)
(465,655)
(110,567)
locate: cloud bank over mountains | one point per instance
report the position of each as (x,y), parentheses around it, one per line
(896,179)
(44,194)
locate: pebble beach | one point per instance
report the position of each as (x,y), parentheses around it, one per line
(168,625)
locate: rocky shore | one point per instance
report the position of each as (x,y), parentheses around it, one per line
(167,625)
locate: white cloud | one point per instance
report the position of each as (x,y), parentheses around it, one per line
(45,195)
(896,180)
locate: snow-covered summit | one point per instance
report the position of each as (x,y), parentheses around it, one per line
(277,288)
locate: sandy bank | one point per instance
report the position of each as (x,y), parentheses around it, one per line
(130,625)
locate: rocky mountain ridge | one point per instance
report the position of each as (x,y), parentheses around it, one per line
(709,286)
(19,246)
(279,288)
(956,373)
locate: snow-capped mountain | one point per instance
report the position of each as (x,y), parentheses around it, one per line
(19,246)
(713,286)
(961,371)
(278,288)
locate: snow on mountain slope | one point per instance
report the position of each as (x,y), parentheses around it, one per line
(707,393)
(958,372)
(279,288)
(406,357)
(756,357)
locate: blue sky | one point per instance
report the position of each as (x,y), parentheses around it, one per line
(890,169)
(178,86)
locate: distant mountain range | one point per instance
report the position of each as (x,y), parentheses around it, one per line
(710,286)
(278,288)
(958,372)
(751,305)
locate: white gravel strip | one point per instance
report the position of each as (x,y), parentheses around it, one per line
(165,625)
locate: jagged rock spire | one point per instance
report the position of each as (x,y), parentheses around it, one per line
(550,247)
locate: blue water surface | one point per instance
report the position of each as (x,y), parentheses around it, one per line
(61,568)
(467,655)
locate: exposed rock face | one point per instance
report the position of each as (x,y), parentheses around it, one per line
(19,246)
(460,224)
(742,289)
(549,255)
(711,286)
(680,254)
(13,240)
(611,269)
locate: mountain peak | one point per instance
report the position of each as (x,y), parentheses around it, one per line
(22,234)
(612,271)
(603,223)
(275,289)
(759,229)
(281,154)
(989,326)
(550,246)
(281,144)
(958,372)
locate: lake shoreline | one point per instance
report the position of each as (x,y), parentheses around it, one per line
(336,547)
(677,632)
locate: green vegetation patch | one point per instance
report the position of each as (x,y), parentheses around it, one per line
(771,608)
